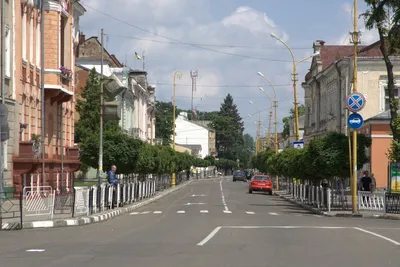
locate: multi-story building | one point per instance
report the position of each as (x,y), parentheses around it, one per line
(136,102)
(199,137)
(330,81)
(61,27)
(10,146)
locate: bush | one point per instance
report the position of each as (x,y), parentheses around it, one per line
(322,159)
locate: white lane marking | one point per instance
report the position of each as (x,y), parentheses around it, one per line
(210,235)
(201,195)
(378,235)
(204,211)
(35,250)
(222,195)
(273,213)
(157,212)
(227,211)
(286,227)
(189,204)
(180,211)
(145,212)
(250,212)
(134,213)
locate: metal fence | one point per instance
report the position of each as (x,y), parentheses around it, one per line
(37,203)
(325,198)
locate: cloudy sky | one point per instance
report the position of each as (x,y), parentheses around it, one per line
(227,41)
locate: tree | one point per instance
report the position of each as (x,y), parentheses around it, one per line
(229,129)
(384,15)
(286,120)
(164,121)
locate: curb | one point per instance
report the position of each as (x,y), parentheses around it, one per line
(340,215)
(93,218)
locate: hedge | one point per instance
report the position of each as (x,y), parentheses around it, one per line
(132,155)
(324,158)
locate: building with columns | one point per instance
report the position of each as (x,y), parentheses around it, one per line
(61,32)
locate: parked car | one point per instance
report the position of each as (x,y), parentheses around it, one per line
(239,176)
(261,183)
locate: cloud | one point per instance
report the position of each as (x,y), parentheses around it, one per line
(209,42)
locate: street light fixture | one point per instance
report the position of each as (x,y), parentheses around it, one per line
(258,126)
(296,110)
(268,138)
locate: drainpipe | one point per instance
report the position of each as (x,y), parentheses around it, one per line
(62,145)
(340,95)
(43,133)
(2,94)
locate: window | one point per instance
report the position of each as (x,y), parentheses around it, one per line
(63,53)
(23,32)
(386,96)
(31,43)
(7,58)
(38,43)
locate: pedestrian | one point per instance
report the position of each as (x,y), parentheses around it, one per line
(373,182)
(113,181)
(187,174)
(366,185)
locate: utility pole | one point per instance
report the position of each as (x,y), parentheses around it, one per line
(193,75)
(100,167)
(42,103)
(355,40)
(177,75)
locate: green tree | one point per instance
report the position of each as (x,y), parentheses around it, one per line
(164,121)
(229,129)
(384,15)
(286,120)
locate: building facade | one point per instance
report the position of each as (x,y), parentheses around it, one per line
(10,146)
(136,103)
(61,156)
(329,82)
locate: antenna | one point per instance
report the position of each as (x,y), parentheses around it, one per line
(193,75)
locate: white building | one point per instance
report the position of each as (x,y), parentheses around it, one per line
(189,133)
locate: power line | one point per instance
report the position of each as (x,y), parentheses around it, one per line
(222,85)
(182,42)
(205,45)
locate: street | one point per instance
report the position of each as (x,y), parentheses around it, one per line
(210,223)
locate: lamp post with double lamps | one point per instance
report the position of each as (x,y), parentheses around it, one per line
(258,127)
(177,75)
(295,63)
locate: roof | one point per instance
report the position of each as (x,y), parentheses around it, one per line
(193,147)
(112,56)
(380,117)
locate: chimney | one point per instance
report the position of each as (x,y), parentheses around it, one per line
(82,38)
(317,45)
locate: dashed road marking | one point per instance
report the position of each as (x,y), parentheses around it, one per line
(250,212)
(145,212)
(204,211)
(35,250)
(227,211)
(134,213)
(273,213)
(157,212)
(180,211)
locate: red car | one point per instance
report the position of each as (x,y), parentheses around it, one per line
(261,183)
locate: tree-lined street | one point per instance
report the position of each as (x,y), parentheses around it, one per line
(202,225)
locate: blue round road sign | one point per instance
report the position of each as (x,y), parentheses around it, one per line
(355,121)
(355,102)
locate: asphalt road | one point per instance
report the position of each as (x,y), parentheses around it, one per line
(210,223)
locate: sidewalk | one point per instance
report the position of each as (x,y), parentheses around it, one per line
(84,220)
(338,213)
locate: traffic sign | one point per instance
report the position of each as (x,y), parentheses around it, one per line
(355,102)
(298,144)
(355,121)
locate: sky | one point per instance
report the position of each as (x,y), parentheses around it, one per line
(227,41)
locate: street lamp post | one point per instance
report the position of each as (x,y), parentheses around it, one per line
(258,127)
(275,109)
(177,75)
(296,110)
(275,105)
